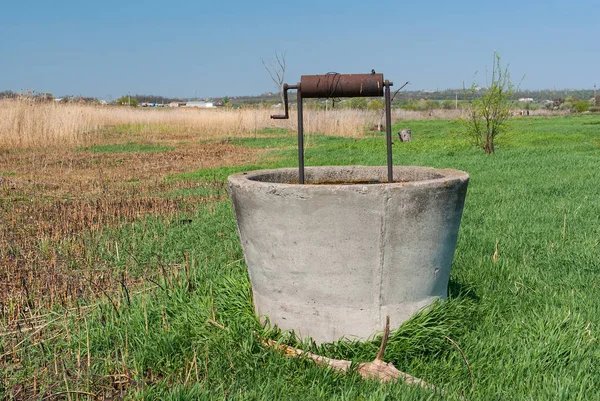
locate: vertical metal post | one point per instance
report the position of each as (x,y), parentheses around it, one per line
(300,138)
(388,131)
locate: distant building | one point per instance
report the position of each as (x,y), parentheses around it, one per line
(526,99)
(200,104)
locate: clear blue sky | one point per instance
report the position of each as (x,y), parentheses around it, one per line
(214,48)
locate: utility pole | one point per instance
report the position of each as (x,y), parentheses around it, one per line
(456,102)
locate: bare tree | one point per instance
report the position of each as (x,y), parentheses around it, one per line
(276,69)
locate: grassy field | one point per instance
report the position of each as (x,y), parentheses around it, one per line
(123,277)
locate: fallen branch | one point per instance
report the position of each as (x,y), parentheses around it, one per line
(377,369)
(216,324)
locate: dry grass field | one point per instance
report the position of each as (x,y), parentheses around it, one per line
(27,124)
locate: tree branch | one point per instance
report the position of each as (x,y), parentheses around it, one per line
(276,69)
(384,339)
(398,90)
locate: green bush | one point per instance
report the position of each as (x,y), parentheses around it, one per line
(581,106)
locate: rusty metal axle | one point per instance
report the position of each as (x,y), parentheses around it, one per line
(339,85)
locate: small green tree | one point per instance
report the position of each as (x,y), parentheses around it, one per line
(488,112)
(127,101)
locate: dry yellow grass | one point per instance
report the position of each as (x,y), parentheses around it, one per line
(26,124)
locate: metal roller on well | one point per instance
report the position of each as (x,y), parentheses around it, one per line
(332,250)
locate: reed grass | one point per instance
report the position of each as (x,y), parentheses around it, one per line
(25,124)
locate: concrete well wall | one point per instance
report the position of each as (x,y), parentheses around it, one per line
(330,260)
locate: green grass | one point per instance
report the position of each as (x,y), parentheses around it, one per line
(527,323)
(127,148)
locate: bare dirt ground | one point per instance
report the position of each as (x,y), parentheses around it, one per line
(57,172)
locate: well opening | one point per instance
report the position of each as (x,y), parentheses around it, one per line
(352,175)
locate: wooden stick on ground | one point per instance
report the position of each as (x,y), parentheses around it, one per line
(377,369)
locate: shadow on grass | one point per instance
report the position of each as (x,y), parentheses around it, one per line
(459,290)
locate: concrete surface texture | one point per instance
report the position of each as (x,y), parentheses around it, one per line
(330,259)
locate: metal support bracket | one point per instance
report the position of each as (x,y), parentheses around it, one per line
(340,85)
